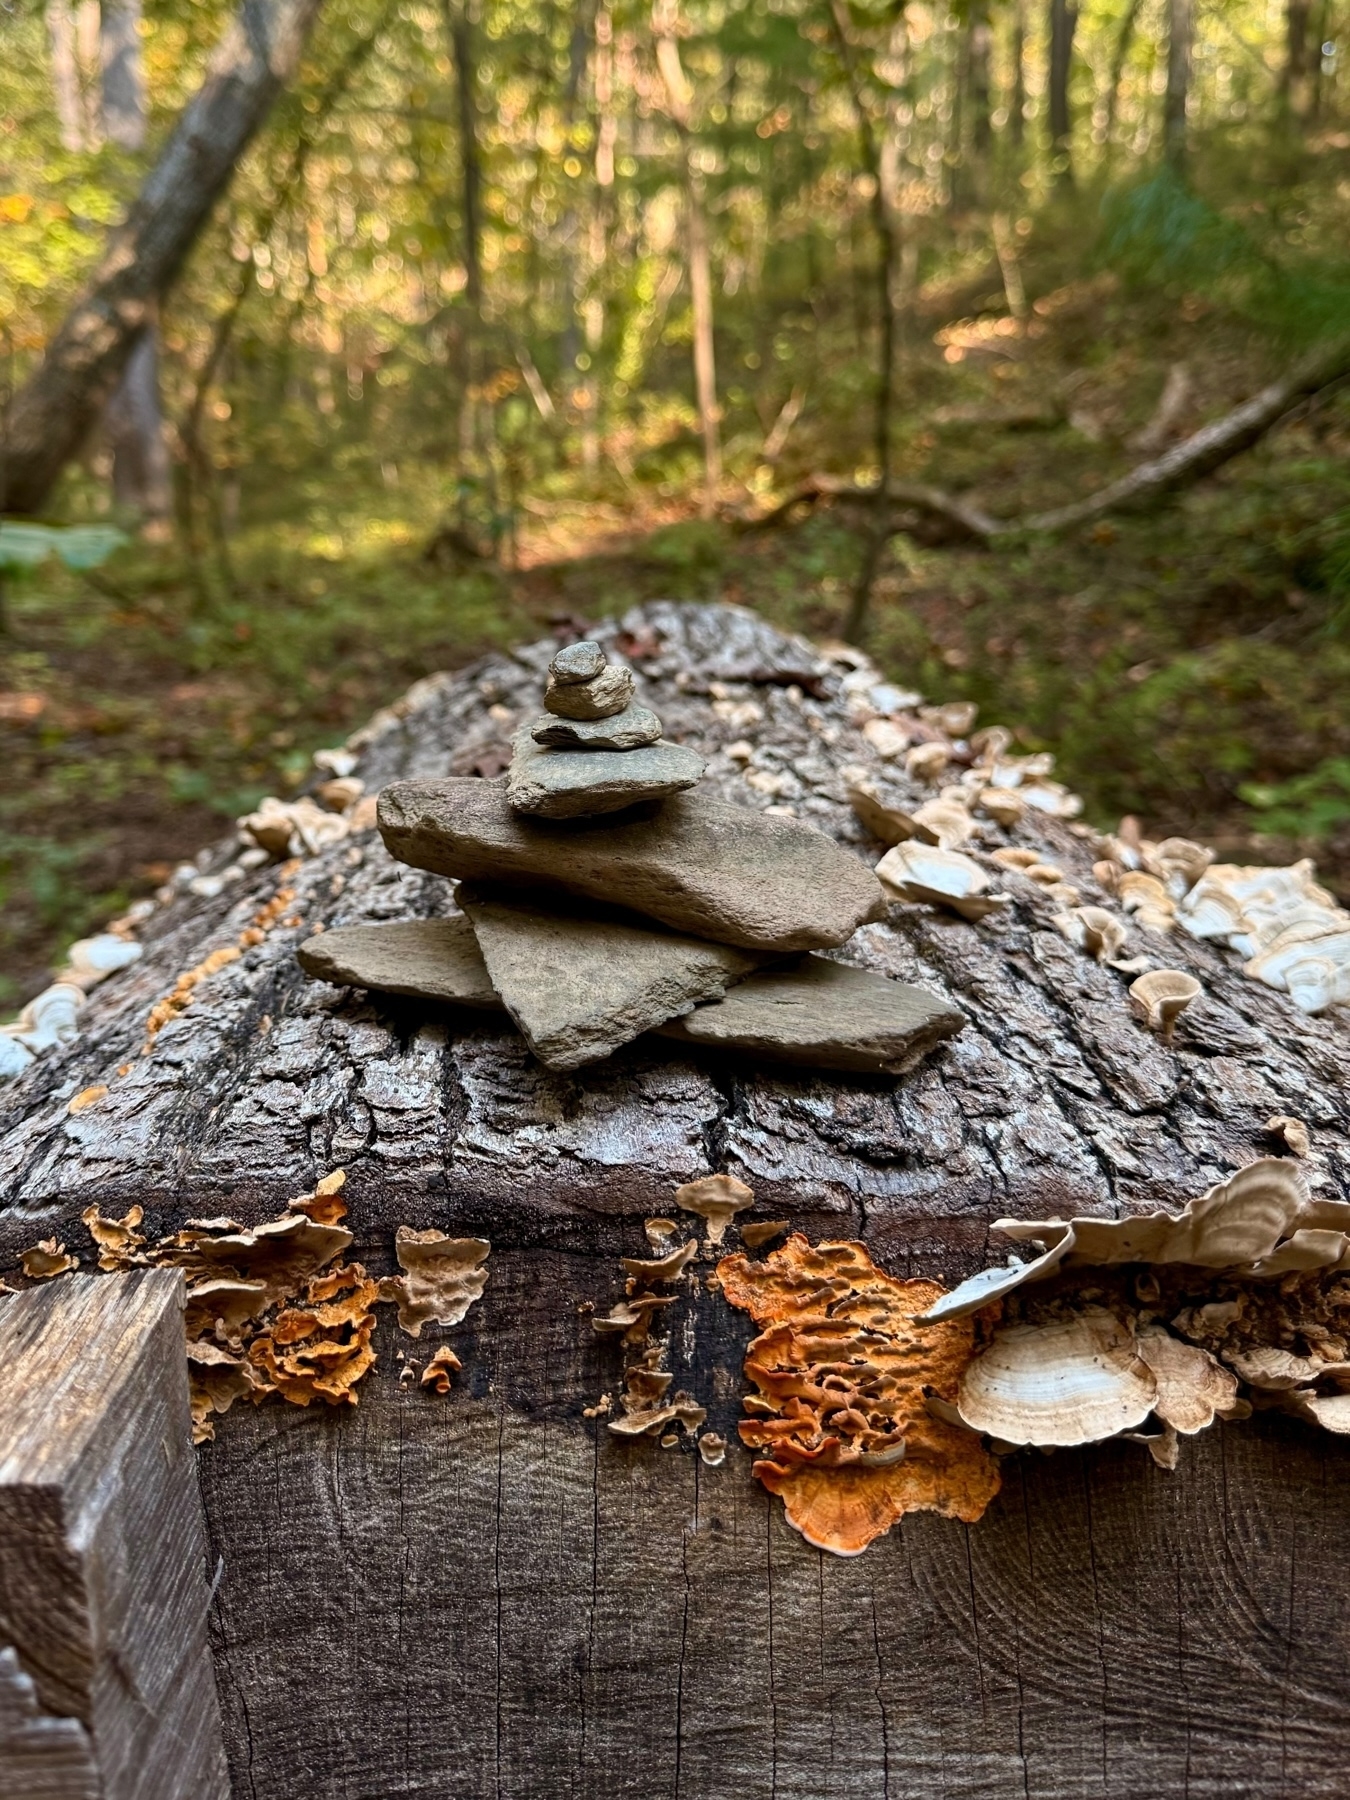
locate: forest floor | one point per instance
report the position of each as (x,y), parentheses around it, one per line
(1190,665)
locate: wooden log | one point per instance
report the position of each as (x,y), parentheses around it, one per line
(106,1684)
(490,1594)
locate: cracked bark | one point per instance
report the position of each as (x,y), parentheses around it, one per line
(488,1594)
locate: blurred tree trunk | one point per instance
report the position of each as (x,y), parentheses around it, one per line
(979,40)
(65,73)
(1120,51)
(888,273)
(134,420)
(1294,83)
(1063,24)
(1018,56)
(459,30)
(53,413)
(679,97)
(1180,28)
(593,305)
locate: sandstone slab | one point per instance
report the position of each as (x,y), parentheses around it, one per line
(607,693)
(432,959)
(574,784)
(579,986)
(627,730)
(698,864)
(824,1015)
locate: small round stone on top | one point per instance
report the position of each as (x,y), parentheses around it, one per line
(576,663)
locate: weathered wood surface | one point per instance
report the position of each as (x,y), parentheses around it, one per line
(486,1594)
(103,1590)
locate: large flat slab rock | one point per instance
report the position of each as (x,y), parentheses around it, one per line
(825,1015)
(580,986)
(431,959)
(570,784)
(698,864)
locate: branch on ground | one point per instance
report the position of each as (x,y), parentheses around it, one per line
(961,520)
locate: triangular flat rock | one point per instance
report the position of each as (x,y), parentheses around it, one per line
(696,863)
(579,986)
(431,959)
(826,1015)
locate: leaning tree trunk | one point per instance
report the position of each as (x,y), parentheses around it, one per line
(53,413)
(489,1594)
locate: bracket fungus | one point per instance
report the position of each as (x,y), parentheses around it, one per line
(717,1199)
(936,877)
(438,1371)
(1093,929)
(1073,1380)
(885,818)
(442,1277)
(842,1375)
(1164,1317)
(1160,997)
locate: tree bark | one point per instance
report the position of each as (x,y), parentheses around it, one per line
(1180,26)
(1063,25)
(54,412)
(489,1594)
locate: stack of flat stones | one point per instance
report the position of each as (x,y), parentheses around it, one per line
(602,895)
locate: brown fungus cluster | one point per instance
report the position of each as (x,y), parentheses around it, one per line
(272,1309)
(852,1394)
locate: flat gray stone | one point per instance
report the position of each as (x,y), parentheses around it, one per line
(628,730)
(578,662)
(697,863)
(609,693)
(579,986)
(824,1015)
(574,784)
(433,959)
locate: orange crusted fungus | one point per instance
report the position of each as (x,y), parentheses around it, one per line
(321,1349)
(844,1378)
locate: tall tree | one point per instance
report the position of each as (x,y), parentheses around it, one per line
(1063,25)
(888,259)
(134,420)
(1296,68)
(65,73)
(1017,55)
(679,103)
(1180,25)
(1120,50)
(54,411)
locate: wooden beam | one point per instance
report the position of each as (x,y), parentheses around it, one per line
(106,1686)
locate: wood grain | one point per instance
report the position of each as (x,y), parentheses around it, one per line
(102,1578)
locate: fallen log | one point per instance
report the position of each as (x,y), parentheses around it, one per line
(489,1591)
(1148,483)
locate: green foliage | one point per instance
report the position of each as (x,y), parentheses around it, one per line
(1309,807)
(1159,230)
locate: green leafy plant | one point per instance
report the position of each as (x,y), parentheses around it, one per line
(1308,806)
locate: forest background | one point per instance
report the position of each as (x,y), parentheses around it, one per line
(515,313)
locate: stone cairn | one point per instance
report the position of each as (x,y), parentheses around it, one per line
(602,894)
